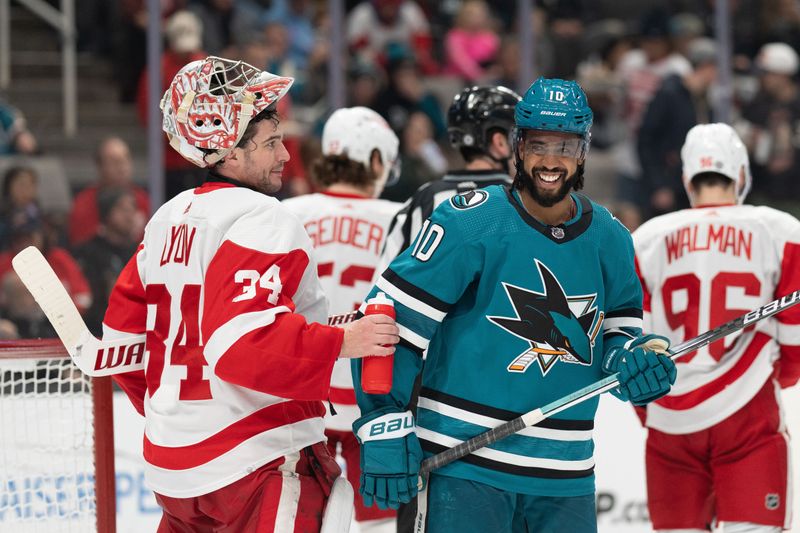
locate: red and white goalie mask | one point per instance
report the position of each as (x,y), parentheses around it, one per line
(210,102)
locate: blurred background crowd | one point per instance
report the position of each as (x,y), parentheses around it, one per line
(648,66)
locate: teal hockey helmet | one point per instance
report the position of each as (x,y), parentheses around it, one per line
(555,105)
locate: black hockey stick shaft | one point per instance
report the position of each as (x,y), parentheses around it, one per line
(590,391)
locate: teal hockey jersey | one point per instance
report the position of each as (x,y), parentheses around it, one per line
(514,314)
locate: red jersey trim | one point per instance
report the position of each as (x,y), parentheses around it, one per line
(211,186)
(704,206)
(789,366)
(345,195)
(789,281)
(343,396)
(698,396)
(194,455)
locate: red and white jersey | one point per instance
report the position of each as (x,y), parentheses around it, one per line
(701,268)
(237,363)
(348,233)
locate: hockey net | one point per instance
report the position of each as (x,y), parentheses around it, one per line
(56,443)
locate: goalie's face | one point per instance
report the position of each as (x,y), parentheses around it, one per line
(260,162)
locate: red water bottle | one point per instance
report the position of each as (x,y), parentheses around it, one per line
(376,371)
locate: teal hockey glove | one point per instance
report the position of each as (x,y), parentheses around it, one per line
(644,374)
(390,459)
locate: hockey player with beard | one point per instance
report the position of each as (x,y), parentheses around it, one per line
(520,295)
(720,435)
(347,224)
(225,287)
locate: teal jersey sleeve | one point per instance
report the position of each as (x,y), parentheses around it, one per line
(623,319)
(424,282)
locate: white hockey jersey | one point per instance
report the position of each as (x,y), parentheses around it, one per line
(348,233)
(701,268)
(235,366)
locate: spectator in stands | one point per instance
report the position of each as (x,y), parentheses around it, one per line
(19,200)
(770,126)
(405,94)
(565,28)
(364,84)
(508,60)
(471,46)
(130,42)
(14,135)
(642,69)
(184,34)
(103,257)
(421,159)
(297,17)
(215,17)
(684,28)
(27,321)
(680,103)
(374,25)
(30,232)
(606,42)
(115,169)
(279,59)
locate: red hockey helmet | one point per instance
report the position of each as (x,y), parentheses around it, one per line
(210,102)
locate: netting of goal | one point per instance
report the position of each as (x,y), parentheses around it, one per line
(56,443)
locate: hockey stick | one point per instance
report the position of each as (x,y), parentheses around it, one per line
(94,357)
(590,391)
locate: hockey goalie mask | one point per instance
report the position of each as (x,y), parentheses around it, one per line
(210,102)
(716,148)
(356,132)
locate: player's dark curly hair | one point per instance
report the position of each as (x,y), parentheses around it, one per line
(331,169)
(711,179)
(270,113)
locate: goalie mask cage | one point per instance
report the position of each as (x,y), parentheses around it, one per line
(56,443)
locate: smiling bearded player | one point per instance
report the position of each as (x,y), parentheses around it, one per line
(520,295)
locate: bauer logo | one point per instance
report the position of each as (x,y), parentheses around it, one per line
(391,426)
(772,308)
(469,199)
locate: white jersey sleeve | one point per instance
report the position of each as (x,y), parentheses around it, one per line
(237,363)
(703,267)
(348,234)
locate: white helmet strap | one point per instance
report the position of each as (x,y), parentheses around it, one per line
(182,115)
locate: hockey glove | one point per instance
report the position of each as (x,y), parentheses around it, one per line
(644,374)
(390,459)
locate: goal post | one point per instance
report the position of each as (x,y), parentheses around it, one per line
(56,442)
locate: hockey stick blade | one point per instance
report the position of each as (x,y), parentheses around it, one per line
(531,418)
(94,357)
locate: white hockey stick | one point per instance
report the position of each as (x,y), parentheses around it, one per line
(94,357)
(606,384)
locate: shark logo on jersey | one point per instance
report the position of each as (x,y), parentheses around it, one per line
(558,327)
(469,199)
